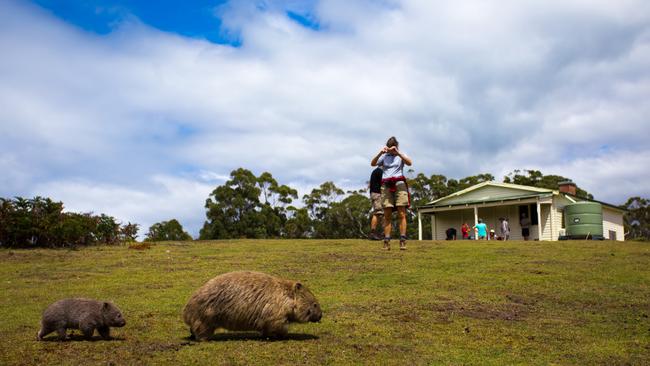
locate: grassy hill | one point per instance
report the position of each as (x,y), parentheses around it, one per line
(437,303)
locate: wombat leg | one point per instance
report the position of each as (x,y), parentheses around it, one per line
(275,331)
(88,332)
(202,332)
(105,332)
(62,335)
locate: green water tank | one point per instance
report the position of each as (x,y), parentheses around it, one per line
(584,219)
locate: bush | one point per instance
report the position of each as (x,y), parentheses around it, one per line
(41,222)
(167,230)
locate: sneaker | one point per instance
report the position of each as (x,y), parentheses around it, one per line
(386,244)
(374,236)
(402,242)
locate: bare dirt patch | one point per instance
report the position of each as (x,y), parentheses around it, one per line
(523,300)
(140,246)
(510,311)
(377,348)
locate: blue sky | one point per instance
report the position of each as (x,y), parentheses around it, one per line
(196,18)
(139,109)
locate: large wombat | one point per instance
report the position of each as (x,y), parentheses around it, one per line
(249,301)
(84,314)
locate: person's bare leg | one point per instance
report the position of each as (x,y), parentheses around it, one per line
(402,220)
(402,227)
(388,212)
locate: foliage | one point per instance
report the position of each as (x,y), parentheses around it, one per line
(637,218)
(107,230)
(535,178)
(167,230)
(41,222)
(319,203)
(235,210)
(129,232)
(348,218)
(77,229)
(298,224)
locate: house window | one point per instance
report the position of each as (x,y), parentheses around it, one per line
(531,212)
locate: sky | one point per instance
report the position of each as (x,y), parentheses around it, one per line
(139,109)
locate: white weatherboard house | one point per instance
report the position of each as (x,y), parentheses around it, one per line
(489,201)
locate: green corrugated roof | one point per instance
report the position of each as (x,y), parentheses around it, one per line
(509,198)
(490,191)
(508,192)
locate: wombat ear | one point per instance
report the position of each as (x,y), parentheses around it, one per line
(297,286)
(106,306)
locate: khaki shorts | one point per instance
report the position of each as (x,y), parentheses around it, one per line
(377,208)
(395,199)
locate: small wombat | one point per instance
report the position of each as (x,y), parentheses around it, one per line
(84,314)
(249,301)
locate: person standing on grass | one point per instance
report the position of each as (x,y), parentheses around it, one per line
(481,230)
(505,229)
(394,190)
(377,208)
(525,226)
(465,231)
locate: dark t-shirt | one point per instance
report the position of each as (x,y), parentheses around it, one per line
(451,233)
(375,181)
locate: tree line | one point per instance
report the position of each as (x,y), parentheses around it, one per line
(250,206)
(41,222)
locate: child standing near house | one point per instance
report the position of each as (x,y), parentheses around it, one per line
(465,231)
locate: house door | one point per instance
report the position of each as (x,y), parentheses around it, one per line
(530,211)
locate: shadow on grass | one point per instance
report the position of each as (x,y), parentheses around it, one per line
(255,336)
(81,338)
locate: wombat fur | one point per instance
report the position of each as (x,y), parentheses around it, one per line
(249,301)
(84,314)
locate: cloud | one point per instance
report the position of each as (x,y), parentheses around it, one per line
(136,121)
(163,199)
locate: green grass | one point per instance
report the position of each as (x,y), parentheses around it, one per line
(453,303)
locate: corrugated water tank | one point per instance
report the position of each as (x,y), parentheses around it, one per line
(584,220)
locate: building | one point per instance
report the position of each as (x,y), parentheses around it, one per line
(491,201)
